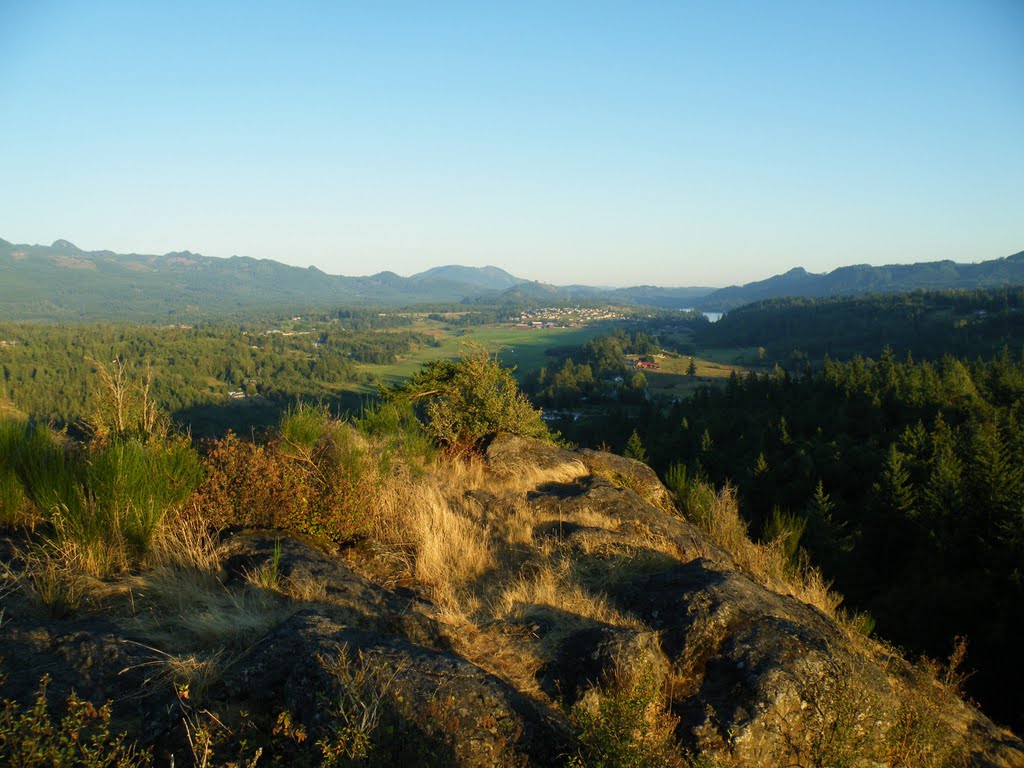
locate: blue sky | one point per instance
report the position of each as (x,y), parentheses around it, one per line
(675,143)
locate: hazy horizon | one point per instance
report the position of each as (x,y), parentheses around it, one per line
(673,144)
(578,281)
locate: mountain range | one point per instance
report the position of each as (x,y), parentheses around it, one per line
(64,282)
(863,278)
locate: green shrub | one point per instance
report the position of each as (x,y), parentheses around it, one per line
(130,487)
(694,496)
(106,498)
(304,427)
(49,471)
(13,501)
(312,476)
(786,528)
(635,448)
(626,725)
(397,434)
(79,737)
(11,434)
(464,403)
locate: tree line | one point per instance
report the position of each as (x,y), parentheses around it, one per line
(927,324)
(46,371)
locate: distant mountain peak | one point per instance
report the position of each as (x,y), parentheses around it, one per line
(65,245)
(485,278)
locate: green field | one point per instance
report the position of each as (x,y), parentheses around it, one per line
(671,378)
(740,356)
(524,348)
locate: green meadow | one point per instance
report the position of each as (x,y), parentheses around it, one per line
(524,348)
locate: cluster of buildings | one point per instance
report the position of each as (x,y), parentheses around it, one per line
(565,317)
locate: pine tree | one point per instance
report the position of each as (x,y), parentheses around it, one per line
(894,488)
(995,481)
(635,448)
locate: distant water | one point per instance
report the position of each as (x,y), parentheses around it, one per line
(713,317)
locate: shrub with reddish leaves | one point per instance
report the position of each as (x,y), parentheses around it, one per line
(311,476)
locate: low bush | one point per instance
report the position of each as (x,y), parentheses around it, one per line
(101,502)
(79,736)
(398,436)
(695,497)
(128,488)
(311,476)
(626,725)
(773,564)
(13,501)
(465,402)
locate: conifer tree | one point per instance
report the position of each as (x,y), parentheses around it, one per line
(635,448)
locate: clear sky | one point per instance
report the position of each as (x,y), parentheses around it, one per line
(614,143)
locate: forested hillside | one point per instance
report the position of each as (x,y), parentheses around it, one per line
(927,324)
(862,279)
(47,370)
(902,480)
(434,583)
(899,474)
(900,477)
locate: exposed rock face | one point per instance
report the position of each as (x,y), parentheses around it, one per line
(95,659)
(348,598)
(514,456)
(755,677)
(632,474)
(446,711)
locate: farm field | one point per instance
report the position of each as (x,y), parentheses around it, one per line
(522,347)
(736,356)
(670,378)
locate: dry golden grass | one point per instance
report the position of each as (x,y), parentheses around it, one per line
(767,563)
(46,579)
(304,589)
(515,526)
(185,610)
(514,656)
(98,558)
(189,675)
(527,477)
(452,549)
(472,474)
(446,548)
(184,540)
(466,538)
(584,517)
(552,586)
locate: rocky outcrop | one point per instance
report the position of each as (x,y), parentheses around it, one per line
(751,676)
(755,675)
(304,565)
(532,461)
(435,708)
(93,658)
